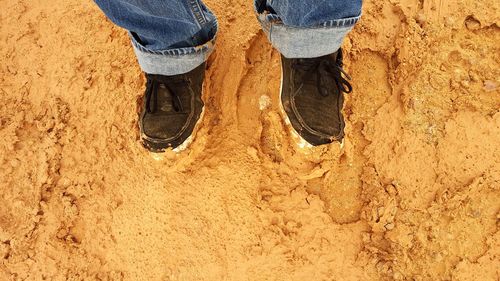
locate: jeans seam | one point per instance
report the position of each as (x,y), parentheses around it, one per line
(271,32)
(197,12)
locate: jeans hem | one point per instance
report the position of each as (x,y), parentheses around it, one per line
(304,42)
(346,22)
(172,61)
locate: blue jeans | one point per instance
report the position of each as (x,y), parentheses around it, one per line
(175,36)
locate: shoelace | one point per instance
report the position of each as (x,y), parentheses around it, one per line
(153,84)
(329,73)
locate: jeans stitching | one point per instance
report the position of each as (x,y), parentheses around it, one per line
(197,12)
(347,22)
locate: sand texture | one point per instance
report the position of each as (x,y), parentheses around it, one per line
(413,194)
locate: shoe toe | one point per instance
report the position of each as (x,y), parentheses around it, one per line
(322,121)
(164,127)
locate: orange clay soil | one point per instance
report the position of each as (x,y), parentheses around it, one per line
(413,194)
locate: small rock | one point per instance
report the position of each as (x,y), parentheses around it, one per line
(471,23)
(450,22)
(264,102)
(14,163)
(421,19)
(490,85)
(389,226)
(391,190)
(473,76)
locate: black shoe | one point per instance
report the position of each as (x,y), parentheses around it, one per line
(312,97)
(171,108)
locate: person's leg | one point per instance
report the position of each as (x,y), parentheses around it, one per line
(172,40)
(309,35)
(307,29)
(169,37)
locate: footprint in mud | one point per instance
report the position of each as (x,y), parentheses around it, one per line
(260,119)
(272,137)
(258,99)
(343,185)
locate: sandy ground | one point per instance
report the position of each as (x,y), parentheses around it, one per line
(412,195)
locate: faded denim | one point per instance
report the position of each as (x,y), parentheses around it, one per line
(307,29)
(169,36)
(175,36)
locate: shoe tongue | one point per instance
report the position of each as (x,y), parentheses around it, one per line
(309,61)
(165,99)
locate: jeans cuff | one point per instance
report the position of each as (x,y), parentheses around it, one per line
(306,42)
(172,61)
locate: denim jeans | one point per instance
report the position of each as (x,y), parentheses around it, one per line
(175,36)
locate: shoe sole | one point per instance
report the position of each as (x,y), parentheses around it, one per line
(183,146)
